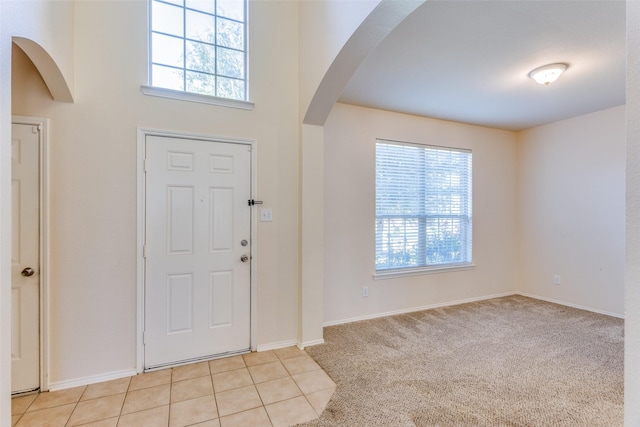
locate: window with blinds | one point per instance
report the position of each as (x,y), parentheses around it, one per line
(423,206)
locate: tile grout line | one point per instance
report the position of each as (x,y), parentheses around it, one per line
(76,404)
(297,386)
(278,358)
(170,394)
(305,394)
(213,390)
(126,393)
(264,407)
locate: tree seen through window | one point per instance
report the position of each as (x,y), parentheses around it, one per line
(199,46)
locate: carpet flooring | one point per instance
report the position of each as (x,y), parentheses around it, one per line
(511,361)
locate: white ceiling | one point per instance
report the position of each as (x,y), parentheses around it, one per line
(468,61)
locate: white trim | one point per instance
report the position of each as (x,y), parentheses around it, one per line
(142,134)
(43,124)
(390,274)
(254,248)
(140,239)
(91,380)
(465,301)
(196,360)
(568,304)
(303,345)
(277,345)
(196,97)
(423,145)
(414,309)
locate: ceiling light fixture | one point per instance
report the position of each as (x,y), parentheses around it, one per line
(548,73)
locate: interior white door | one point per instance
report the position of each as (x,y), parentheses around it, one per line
(197,251)
(25,258)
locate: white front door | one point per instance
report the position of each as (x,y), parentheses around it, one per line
(197,249)
(25,258)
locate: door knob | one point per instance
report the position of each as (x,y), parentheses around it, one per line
(27,272)
(244,258)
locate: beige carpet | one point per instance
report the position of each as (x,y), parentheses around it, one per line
(510,361)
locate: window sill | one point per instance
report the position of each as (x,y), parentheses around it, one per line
(390,274)
(196,97)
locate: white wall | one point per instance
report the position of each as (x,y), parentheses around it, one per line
(50,25)
(325,26)
(87,146)
(350,134)
(632,277)
(93,178)
(5,221)
(571,210)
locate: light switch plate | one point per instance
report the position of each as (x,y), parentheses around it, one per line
(266,214)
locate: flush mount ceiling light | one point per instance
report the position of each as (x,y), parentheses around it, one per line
(548,73)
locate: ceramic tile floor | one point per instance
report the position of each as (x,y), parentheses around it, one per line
(272,388)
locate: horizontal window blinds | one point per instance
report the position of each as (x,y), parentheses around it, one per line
(423,206)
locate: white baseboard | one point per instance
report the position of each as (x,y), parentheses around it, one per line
(414,309)
(465,301)
(276,345)
(568,304)
(303,345)
(289,343)
(61,385)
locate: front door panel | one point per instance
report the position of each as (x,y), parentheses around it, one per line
(197,288)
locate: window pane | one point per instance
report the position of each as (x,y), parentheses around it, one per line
(167,50)
(195,49)
(201,57)
(230,63)
(200,26)
(231,88)
(167,19)
(423,206)
(444,241)
(201,83)
(398,239)
(230,34)
(203,5)
(166,77)
(232,9)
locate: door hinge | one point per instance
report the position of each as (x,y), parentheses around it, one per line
(144,251)
(147,166)
(35,129)
(254,202)
(144,338)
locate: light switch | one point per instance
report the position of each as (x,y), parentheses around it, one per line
(266,214)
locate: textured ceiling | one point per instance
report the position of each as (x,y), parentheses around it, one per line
(468,61)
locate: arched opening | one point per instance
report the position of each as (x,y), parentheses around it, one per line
(48,69)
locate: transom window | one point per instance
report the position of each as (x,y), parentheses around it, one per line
(199,46)
(423,206)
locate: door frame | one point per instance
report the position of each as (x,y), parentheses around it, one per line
(44,249)
(141,221)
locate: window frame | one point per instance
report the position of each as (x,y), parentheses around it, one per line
(184,94)
(413,270)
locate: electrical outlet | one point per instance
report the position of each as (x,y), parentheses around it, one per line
(365,291)
(556,279)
